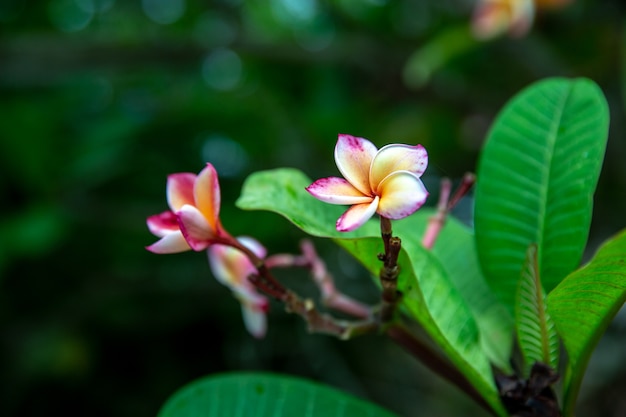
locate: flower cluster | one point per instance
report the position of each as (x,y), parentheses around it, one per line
(193,223)
(385,181)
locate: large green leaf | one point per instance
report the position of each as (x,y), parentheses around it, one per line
(264,395)
(536,334)
(536,179)
(429,293)
(583,305)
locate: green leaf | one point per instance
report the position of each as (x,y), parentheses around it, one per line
(283,191)
(264,395)
(536,179)
(583,305)
(536,334)
(436,303)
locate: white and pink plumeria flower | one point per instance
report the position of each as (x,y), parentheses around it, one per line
(193,219)
(232,268)
(385,181)
(495,17)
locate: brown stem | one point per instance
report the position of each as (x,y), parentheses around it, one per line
(389,272)
(331,297)
(386,233)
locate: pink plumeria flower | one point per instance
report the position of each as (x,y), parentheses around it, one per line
(193,219)
(495,17)
(385,181)
(232,268)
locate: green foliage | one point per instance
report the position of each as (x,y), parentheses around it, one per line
(430,295)
(264,395)
(583,305)
(536,179)
(536,333)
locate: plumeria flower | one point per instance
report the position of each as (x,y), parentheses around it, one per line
(385,181)
(494,17)
(193,219)
(232,268)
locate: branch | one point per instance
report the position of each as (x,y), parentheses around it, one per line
(444,206)
(331,296)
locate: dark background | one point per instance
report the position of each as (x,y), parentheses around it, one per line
(101,99)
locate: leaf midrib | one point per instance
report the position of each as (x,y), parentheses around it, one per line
(548,166)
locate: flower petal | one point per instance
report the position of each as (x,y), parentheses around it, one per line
(207,195)
(353,157)
(397,157)
(163,224)
(336,190)
(197,231)
(254,319)
(356,216)
(170,243)
(180,190)
(230,266)
(254,245)
(401,194)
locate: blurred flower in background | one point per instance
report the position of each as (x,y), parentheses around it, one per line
(515,17)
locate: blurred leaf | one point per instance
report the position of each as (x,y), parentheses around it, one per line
(583,305)
(536,179)
(435,302)
(27,150)
(32,231)
(536,333)
(264,395)
(449,44)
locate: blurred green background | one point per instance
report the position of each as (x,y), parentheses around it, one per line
(101,99)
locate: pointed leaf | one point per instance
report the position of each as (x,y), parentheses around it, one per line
(536,333)
(536,178)
(584,304)
(436,303)
(264,395)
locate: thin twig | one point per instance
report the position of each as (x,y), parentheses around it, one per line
(444,206)
(331,297)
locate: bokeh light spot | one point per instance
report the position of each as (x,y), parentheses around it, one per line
(227,156)
(95,6)
(316,35)
(164,12)
(222,69)
(68,16)
(213,30)
(293,12)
